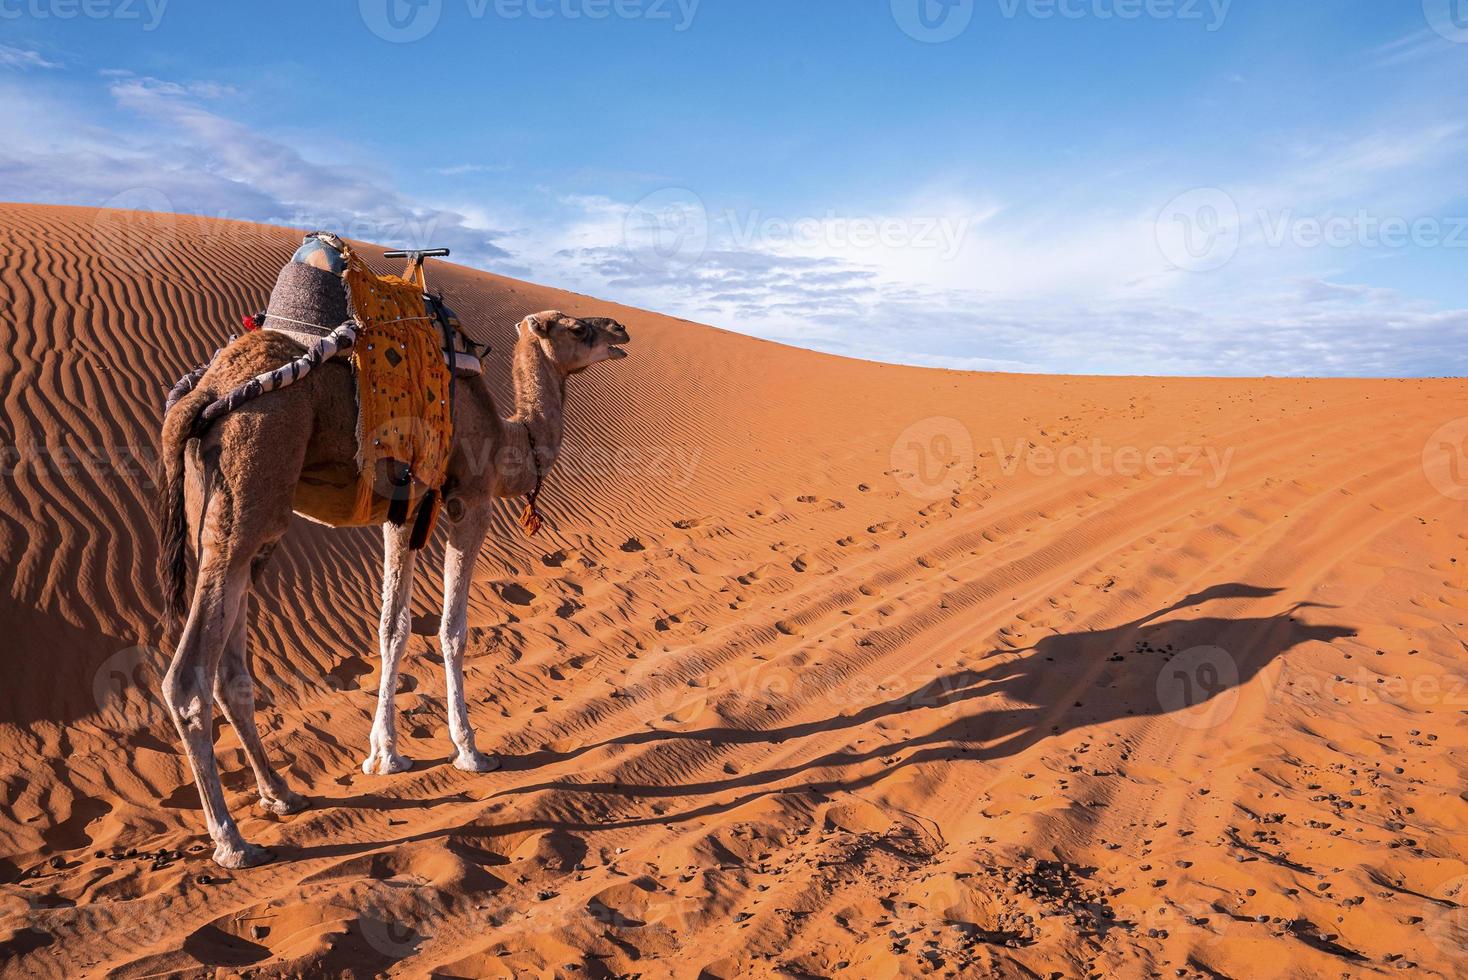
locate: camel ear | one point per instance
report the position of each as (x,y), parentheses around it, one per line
(540,323)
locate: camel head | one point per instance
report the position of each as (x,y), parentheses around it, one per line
(574,344)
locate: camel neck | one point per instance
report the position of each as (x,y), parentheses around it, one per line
(540,396)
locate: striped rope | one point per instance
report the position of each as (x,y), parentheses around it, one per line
(340,339)
(190,381)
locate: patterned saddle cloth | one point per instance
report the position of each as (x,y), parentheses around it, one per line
(404,416)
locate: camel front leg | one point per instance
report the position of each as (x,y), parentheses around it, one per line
(397,593)
(465,539)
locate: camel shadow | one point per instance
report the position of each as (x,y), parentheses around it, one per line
(1157,665)
(1189,668)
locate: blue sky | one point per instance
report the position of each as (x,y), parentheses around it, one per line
(1221,187)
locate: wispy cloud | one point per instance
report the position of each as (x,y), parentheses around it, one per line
(21,59)
(168,147)
(1077,279)
(464,169)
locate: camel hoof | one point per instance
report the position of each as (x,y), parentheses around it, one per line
(386,764)
(476,762)
(285,805)
(246,855)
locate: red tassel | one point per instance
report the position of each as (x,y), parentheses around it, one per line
(253,322)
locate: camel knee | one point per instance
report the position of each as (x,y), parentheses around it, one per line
(186,695)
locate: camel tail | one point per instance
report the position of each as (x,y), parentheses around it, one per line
(179,426)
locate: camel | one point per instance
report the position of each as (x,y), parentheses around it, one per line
(257,461)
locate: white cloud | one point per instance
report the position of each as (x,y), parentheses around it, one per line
(22,59)
(167,148)
(1071,280)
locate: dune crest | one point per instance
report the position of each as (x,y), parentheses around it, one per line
(821,668)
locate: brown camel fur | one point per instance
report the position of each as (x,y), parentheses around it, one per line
(285,452)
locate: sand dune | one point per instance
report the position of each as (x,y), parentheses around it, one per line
(823,668)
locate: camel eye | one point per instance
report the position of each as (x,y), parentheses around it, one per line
(579,331)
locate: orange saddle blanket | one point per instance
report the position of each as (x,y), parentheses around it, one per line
(404,418)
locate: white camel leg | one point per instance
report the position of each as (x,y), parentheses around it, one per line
(465,538)
(187,689)
(393,632)
(234,692)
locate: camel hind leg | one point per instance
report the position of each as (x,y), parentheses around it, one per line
(238,498)
(187,690)
(234,692)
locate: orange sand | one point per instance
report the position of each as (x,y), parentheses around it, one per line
(823,668)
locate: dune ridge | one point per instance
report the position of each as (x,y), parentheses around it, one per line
(822,667)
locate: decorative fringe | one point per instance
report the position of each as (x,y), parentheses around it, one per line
(402,492)
(427,518)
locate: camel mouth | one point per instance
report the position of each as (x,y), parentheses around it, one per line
(616,353)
